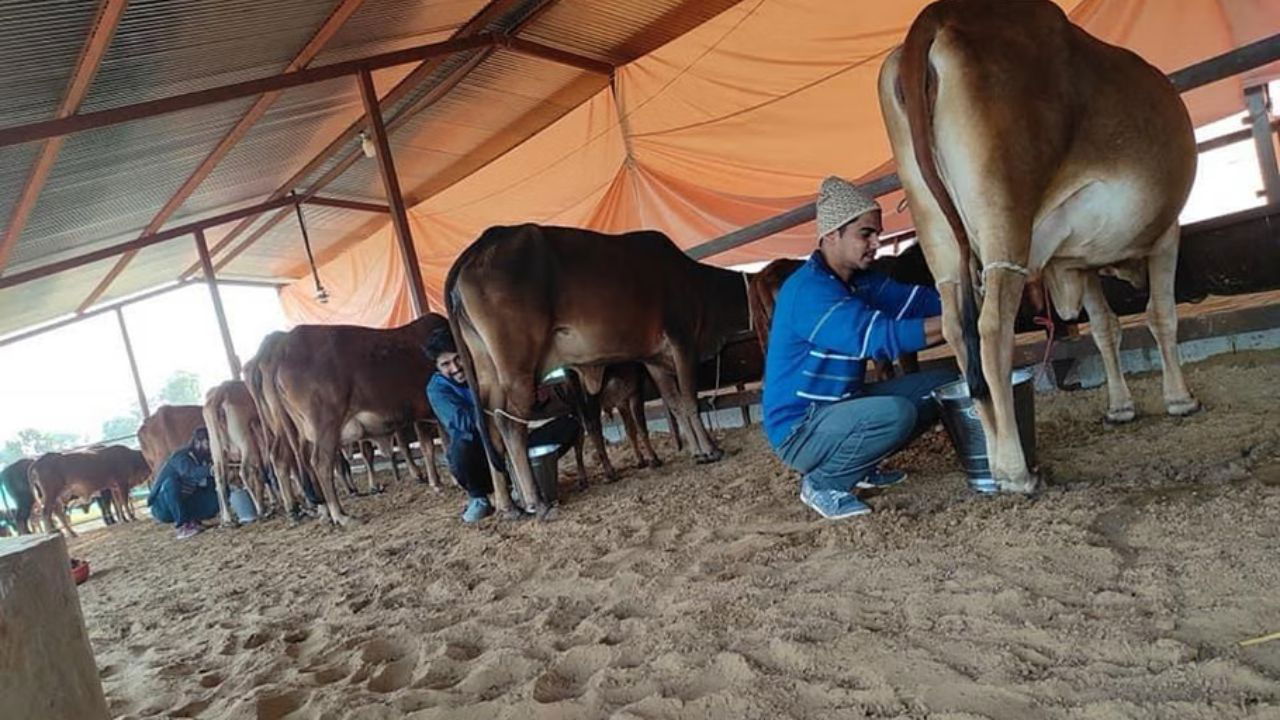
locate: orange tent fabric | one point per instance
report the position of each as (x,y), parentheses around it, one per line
(731,123)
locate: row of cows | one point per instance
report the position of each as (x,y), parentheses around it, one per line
(315,396)
(1030,168)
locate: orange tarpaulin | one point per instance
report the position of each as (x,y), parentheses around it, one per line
(736,121)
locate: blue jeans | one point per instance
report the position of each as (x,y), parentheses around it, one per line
(169,505)
(838,444)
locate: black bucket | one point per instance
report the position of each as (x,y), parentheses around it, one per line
(960,418)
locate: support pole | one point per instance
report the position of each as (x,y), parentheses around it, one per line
(390,183)
(209,277)
(1259,104)
(133,365)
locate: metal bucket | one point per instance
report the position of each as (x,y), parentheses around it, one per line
(545,461)
(960,418)
(242,504)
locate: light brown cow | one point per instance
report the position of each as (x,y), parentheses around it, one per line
(526,300)
(56,478)
(339,384)
(1030,150)
(168,428)
(235,441)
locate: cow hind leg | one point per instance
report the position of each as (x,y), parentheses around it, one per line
(1162,319)
(633,434)
(678,415)
(324,460)
(509,417)
(1105,328)
(687,378)
(995,326)
(62,516)
(427,440)
(388,448)
(589,411)
(635,409)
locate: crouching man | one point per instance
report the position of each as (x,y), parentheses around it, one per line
(832,315)
(454,405)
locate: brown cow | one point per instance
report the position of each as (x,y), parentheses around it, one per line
(525,300)
(168,428)
(623,392)
(235,439)
(58,477)
(1032,151)
(338,384)
(123,457)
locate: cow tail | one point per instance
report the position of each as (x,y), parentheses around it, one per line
(918,93)
(457,317)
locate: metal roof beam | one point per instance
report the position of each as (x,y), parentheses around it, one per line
(354,156)
(95,47)
(186,101)
(487,15)
(153,239)
(322,36)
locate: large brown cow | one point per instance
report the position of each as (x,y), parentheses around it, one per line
(167,429)
(525,300)
(235,440)
(339,384)
(1030,150)
(59,477)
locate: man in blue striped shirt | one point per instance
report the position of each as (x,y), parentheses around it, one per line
(831,316)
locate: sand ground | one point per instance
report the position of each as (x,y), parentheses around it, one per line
(706,592)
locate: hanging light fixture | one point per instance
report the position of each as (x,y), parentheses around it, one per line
(367,146)
(322,295)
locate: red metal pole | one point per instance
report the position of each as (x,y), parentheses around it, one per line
(399,218)
(211,279)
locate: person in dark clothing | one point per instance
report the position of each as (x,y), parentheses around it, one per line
(454,405)
(184,491)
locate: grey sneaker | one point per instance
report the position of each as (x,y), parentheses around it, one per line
(832,504)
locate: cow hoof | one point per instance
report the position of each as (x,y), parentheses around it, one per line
(581,485)
(1121,416)
(655,463)
(548,514)
(229,524)
(1025,485)
(513,514)
(710,457)
(1182,408)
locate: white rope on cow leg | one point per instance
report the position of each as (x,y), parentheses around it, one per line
(1002,265)
(509,416)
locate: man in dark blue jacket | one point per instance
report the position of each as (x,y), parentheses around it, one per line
(455,407)
(184,492)
(831,316)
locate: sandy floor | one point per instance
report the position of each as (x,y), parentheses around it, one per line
(710,592)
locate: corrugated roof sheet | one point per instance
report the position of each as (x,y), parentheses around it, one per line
(39,45)
(109,183)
